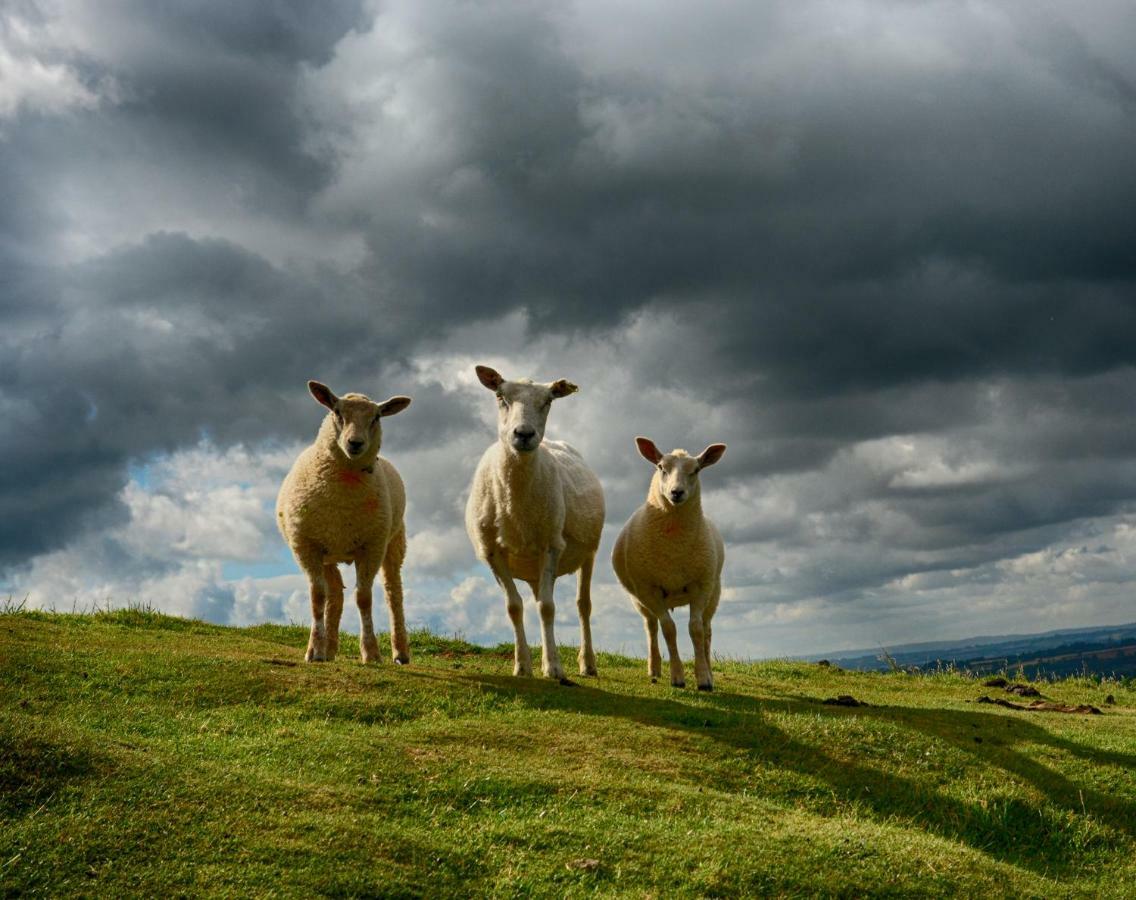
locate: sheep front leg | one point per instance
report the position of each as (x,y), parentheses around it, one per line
(702,673)
(587,657)
(310,558)
(654,658)
(366,567)
(670,634)
(550,655)
(499,564)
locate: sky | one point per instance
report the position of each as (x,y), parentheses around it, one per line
(882,250)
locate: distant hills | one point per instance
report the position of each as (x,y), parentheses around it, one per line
(1103,650)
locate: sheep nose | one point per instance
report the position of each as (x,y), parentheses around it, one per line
(677,494)
(355,446)
(524,432)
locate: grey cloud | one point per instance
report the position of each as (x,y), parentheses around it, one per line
(766,230)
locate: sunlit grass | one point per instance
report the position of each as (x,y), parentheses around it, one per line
(145,754)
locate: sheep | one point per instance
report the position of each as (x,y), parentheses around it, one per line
(670,555)
(535,512)
(343,503)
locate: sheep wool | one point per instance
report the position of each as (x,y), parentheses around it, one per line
(669,555)
(343,503)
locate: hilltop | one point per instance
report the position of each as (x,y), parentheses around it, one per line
(143,754)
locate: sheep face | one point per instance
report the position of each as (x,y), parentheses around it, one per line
(358,433)
(676,473)
(522,408)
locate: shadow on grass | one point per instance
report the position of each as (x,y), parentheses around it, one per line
(1038,836)
(34,767)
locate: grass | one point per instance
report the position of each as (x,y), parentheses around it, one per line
(143,754)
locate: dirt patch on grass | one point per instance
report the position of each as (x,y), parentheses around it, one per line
(1042,706)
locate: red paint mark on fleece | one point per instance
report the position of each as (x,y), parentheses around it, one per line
(347,476)
(372,504)
(671,528)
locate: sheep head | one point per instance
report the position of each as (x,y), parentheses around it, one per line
(355,419)
(522,407)
(676,473)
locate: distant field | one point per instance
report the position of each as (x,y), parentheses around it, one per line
(141,754)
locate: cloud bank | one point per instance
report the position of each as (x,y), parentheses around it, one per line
(882,251)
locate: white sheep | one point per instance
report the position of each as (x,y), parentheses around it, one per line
(670,555)
(343,503)
(535,512)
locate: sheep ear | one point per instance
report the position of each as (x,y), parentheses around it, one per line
(323,394)
(711,455)
(648,450)
(393,406)
(562,388)
(491,378)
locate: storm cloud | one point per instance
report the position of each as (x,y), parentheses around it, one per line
(882,250)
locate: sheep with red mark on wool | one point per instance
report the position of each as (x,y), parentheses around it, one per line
(343,503)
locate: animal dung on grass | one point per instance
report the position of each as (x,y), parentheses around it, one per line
(843,700)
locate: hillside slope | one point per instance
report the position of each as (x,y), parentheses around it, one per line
(149,755)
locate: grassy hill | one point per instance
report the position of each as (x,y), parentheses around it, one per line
(141,754)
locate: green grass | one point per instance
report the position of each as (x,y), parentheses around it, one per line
(142,754)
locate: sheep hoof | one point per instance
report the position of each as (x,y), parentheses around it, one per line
(678,684)
(402,660)
(654,680)
(705,687)
(311,656)
(589,671)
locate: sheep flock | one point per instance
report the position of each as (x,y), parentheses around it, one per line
(535,512)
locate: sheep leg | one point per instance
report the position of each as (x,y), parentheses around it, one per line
(550,655)
(392,587)
(706,636)
(499,564)
(365,570)
(333,609)
(587,658)
(702,672)
(310,558)
(670,634)
(654,658)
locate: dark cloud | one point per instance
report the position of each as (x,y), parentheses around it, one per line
(884,253)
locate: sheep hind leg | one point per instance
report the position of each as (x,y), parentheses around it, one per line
(365,570)
(670,634)
(698,637)
(333,610)
(587,656)
(522,659)
(392,587)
